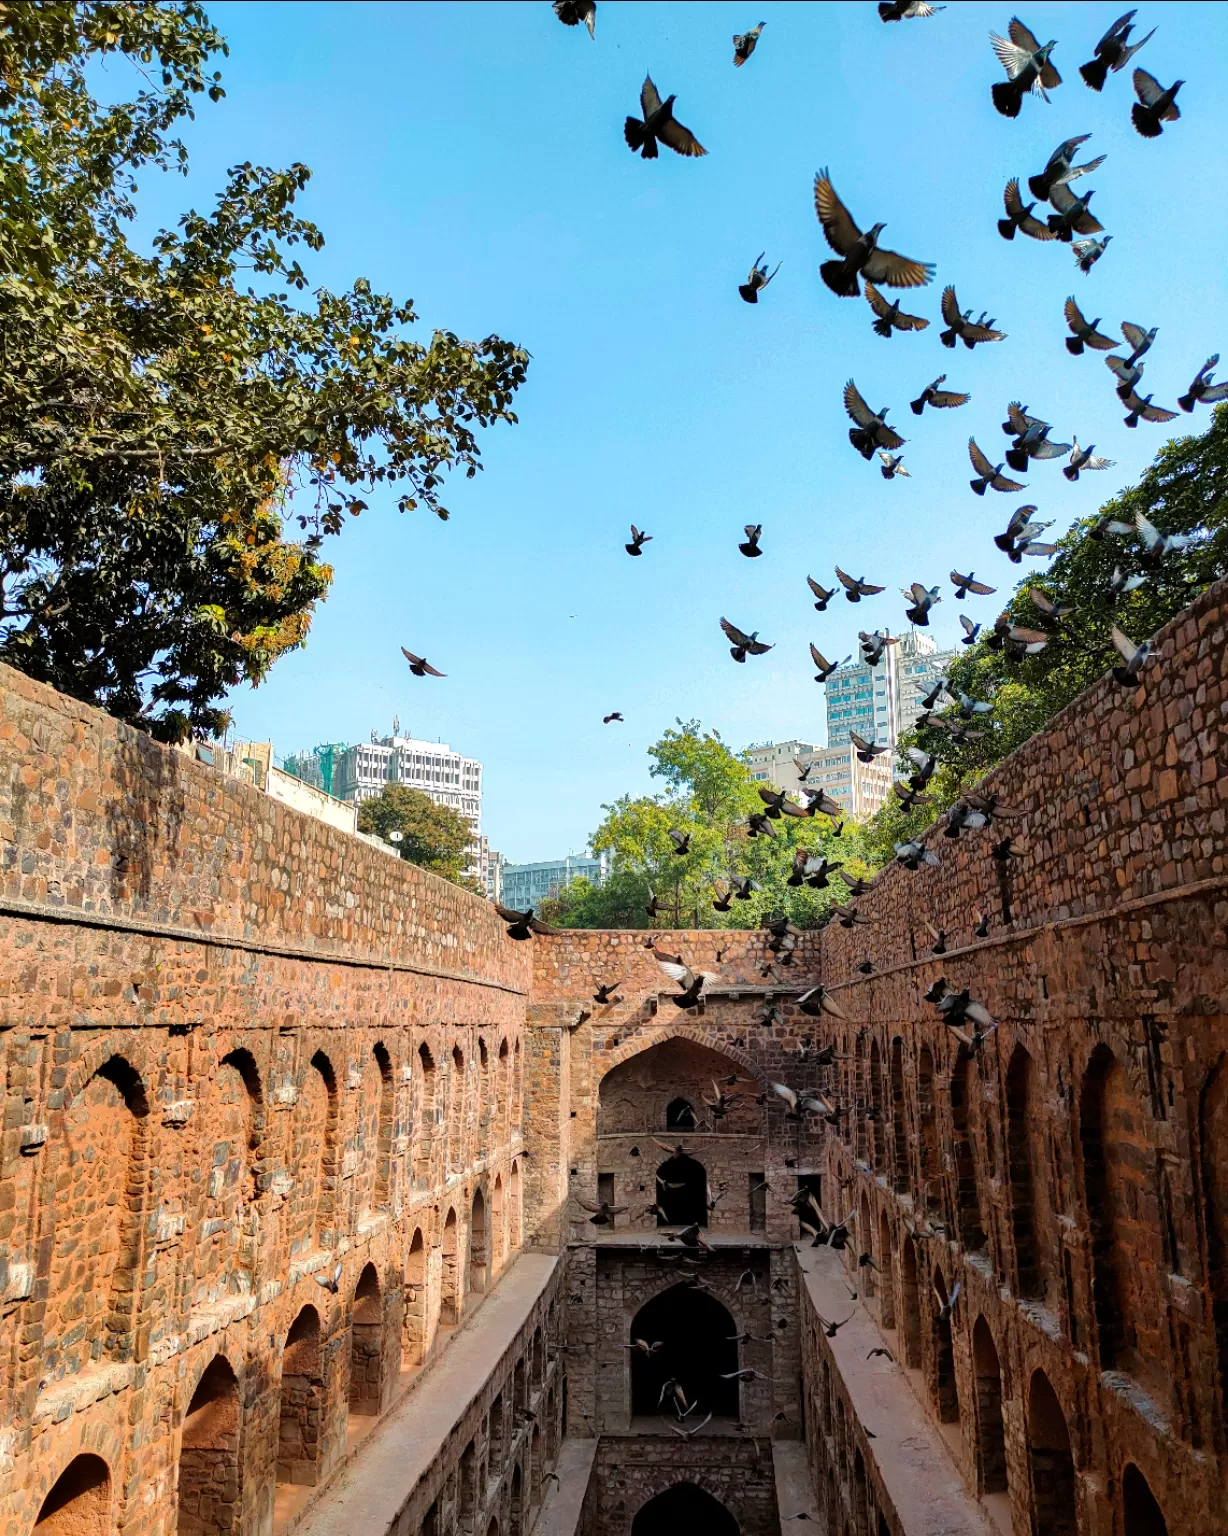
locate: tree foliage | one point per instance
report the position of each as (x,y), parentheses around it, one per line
(158,410)
(709,793)
(434,836)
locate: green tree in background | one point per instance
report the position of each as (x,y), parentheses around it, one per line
(709,793)
(157,411)
(1184,491)
(434,836)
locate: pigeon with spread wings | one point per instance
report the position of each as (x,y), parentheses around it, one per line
(1084,458)
(940,399)
(1088,252)
(1139,408)
(659,123)
(743,645)
(988,474)
(889,314)
(1060,168)
(1083,333)
(693,983)
(871,430)
(965,584)
(907,10)
(959,326)
(521,924)
(821,595)
(1202,388)
(638,539)
(743,47)
(1019,216)
(1133,656)
(1156,104)
(1027,66)
(860,251)
(826,668)
(419,665)
(758,279)
(856,587)
(1113,52)
(572,12)
(1073,216)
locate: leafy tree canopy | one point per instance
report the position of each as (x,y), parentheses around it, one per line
(434,836)
(158,410)
(710,791)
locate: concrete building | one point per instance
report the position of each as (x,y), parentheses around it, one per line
(919,665)
(861,788)
(880,703)
(317,767)
(528,885)
(490,869)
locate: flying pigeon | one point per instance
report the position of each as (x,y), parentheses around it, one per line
(572,12)
(971,631)
(923,599)
(680,840)
(822,596)
(1019,215)
(889,315)
(873,646)
(1137,339)
(856,587)
(860,251)
(1073,216)
(871,431)
(965,584)
(826,668)
(893,465)
(1134,656)
(1083,458)
(972,332)
(1084,332)
(1202,388)
(1127,377)
(988,474)
(1027,68)
(1060,168)
(659,123)
(1139,407)
(1155,106)
(1160,544)
(759,279)
(940,399)
(1113,51)
(1088,252)
(419,665)
(638,540)
(614,715)
(743,645)
(743,47)
(754,532)
(907,10)
(521,924)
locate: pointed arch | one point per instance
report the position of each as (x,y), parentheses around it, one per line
(1020,1110)
(931,1181)
(413,1332)
(514,1215)
(367,1345)
(449,1289)
(313,1212)
(300,1421)
(946,1398)
(1141,1514)
(878,1136)
(886,1264)
(899,1129)
(910,1304)
(209,1493)
(1213,1160)
(479,1244)
(457,1106)
(79,1501)
(990,1436)
(865,1243)
(427,1120)
(498,1228)
(1050,1463)
(967,1194)
(687,1204)
(695,1330)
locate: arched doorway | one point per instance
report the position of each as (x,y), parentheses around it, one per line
(449,1292)
(886,1264)
(931,1182)
(479,1244)
(513,1214)
(515,1503)
(680,1115)
(865,1243)
(967,1195)
(696,1332)
(1020,1095)
(300,1424)
(911,1304)
(1213,1161)
(498,1232)
(898,1113)
(367,1345)
(413,1335)
(682,1510)
(991,1441)
(1142,1515)
(682,1193)
(79,1503)
(1049,1461)
(209,1480)
(944,1357)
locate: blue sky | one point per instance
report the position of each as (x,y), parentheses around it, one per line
(471,157)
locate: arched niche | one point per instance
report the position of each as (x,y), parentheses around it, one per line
(300,1424)
(698,1349)
(367,1345)
(683,1508)
(79,1501)
(635,1096)
(209,1492)
(682,1192)
(1141,1514)
(990,1436)
(1050,1463)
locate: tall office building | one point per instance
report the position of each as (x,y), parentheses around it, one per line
(881,702)
(528,885)
(858,788)
(918,666)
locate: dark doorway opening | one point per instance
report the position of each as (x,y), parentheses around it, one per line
(686,1203)
(696,1333)
(681,1510)
(1143,1516)
(1050,1461)
(680,1116)
(991,1439)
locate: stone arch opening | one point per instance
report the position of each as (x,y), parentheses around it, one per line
(479,1244)
(1213,1160)
(898,1117)
(537,1359)
(1141,1514)
(696,1333)
(517,1087)
(498,1232)
(1107,1298)
(520,1387)
(886,1264)
(858,1097)
(300,1422)
(877,1129)
(682,1193)
(910,1303)
(680,1115)
(1050,1463)
(552,1426)
(968,1199)
(210,1484)
(535,1465)
(931,1183)
(379,1128)
(413,1336)
(503,1099)
(225,1258)
(449,1286)
(315,1183)
(683,1507)
(79,1502)
(515,1503)
(428,1122)
(513,1215)
(367,1345)
(495,1435)
(990,1435)
(467,1489)
(102,1179)
(1020,1095)
(865,1244)
(945,1397)
(859,1492)
(456,1109)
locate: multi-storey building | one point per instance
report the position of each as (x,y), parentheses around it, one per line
(528,885)
(317,767)
(919,665)
(881,702)
(860,788)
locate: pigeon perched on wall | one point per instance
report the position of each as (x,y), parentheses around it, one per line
(965,584)
(940,399)
(892,465)
(988,474)
(638,540)
(659,123)
(1083,458)
(1083,333)
(1027,67)
(821,595)
(1060,168)
(1202,388)
(1139,408)
(871,430)
(1156,104)
(572,12)
(744,44)
(743,645)
(889,314)
(856,587)
(860,252)
(1072,217)
(754,532)
(960,326)
(1113,51)
(1019,216)
(1088,252)
(758,279)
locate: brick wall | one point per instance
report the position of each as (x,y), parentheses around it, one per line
(629,1472)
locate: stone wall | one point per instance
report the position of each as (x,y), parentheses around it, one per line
(629,1472)
(262,1128)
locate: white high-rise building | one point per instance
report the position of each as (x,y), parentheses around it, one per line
(858,788)
(919,665)
(881,702)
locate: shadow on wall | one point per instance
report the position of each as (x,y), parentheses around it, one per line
(145,814)
(682,1510)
